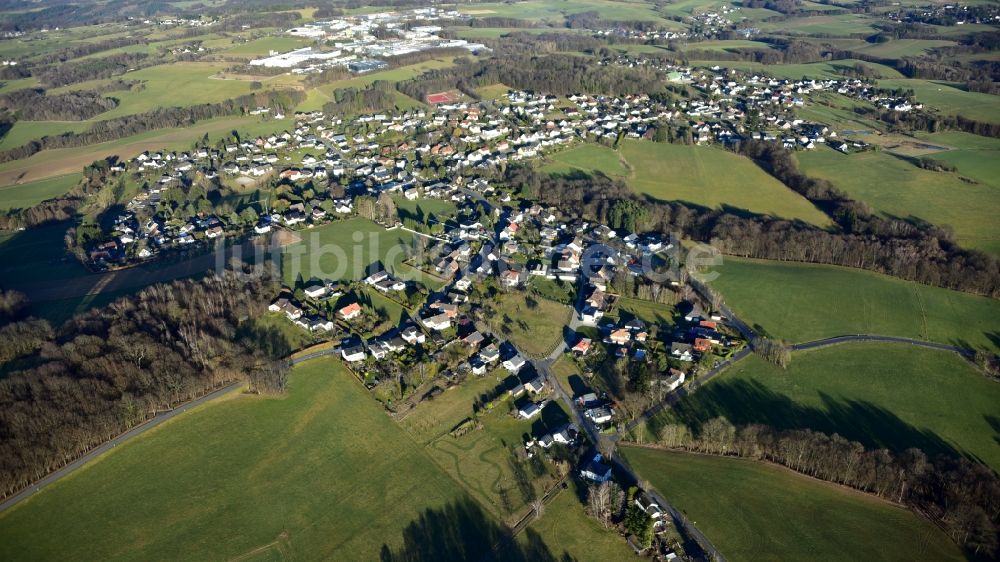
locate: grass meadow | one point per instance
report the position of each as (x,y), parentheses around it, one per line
(882,395)
(896,187)
(321,472)
(754,511)
(949,98)
(28,194)
(534,326)
(711,177)
(566,527)
(804,302)
(587,158)
(345,250)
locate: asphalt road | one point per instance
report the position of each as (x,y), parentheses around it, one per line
(104,448)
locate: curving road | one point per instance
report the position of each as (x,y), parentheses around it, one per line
(816,344)
(105,447)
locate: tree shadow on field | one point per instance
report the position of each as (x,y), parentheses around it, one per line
(994,422)
(461,530)
(750,402)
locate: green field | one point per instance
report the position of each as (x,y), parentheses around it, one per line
(882,395)
(835,69)
(711,177)
(547,10)
(533,328)
(894,186)
(975,156)
(566,527)
(838,24)
(262,47)
(726,45)
(176,84)
(587,158)
(950,99)
(344,250)
(898,48)
(318,473)
(31,193)
(483,460)
(424,211)
(758,512)
(804,302)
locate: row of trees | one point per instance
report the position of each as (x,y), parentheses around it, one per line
(110,368)
(164,117)
(961,496)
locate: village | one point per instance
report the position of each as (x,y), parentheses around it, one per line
(449,152)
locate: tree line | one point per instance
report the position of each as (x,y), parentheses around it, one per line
(554,73)
(164,117)
(32,104)
(913,252)
(352,101)
(961,496)
(109,369)
(62,74)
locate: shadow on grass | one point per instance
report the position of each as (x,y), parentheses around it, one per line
(461,530)
(750,402)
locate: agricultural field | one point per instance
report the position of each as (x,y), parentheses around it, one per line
(533,324)
(755,511)
(950,99)
(975,156)
(170,85)
(896,187)
(712,177)
(882,395)
(899,48)
(587,158)
(27,194)
(24,132)
(833,69)
(837,24)
(344,250)
(726,45)
(284,471)
(804,302)
(263,46)
(555,12)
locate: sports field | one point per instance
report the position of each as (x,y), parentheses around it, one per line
(712,177)
(882,395)
(897,187)
(804,302)
(314,474)
(758,512)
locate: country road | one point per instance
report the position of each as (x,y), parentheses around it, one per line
(104,448)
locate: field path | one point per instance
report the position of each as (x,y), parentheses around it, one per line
(155,421)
